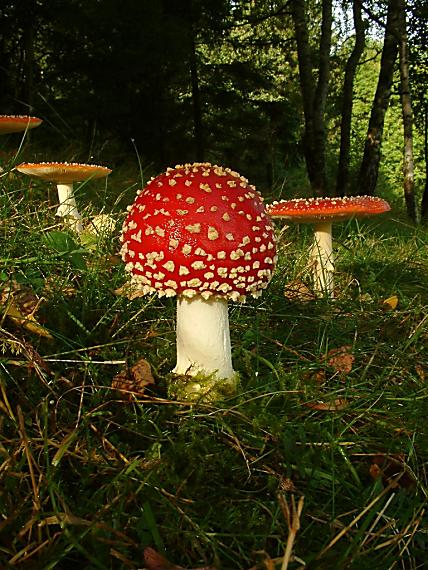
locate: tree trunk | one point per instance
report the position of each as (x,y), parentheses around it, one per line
(307,85)
(369,168)
(314,98)
(406,106)
(424,203)
(320,99)
(342,179)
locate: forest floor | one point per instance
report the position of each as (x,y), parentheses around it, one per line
(326,442)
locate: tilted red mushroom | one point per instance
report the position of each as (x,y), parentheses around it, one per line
(64,174)
(322,212)
(17,123)
(200,232)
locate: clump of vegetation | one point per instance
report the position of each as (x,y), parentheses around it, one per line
(97,464)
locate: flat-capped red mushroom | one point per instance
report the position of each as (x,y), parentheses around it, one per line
(64,174)
(17,123)
(200,232)
(322,212)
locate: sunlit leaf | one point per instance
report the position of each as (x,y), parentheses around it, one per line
(390,304)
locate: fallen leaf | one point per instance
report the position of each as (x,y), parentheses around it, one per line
(333,406)
(155,561)
(420,371)
(130,291)
(390,304)
(297,291)
(54,284)
(134,379)
(390,467)
(341,359)
(20,304)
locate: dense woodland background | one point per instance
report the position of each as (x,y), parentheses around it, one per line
(302,97)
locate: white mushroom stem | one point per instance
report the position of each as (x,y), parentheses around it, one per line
(203,338)
(67,206)
(322,259)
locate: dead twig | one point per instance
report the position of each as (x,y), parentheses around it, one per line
(292,517)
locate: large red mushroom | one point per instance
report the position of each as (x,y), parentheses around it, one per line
(200,232)
(322,212)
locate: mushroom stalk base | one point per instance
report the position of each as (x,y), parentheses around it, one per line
(204,362)
(322,260)
(67,206)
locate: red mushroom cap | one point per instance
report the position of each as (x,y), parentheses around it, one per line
(199,229)
(312,210)
(17,123)
(63,172)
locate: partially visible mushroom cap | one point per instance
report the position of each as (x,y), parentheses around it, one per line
(17,123)
(199,229)
(63,172)
(307,210)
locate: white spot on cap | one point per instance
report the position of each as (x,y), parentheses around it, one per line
(169,265)
(212,233)
(194,228)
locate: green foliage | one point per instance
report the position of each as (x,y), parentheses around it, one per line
(91,477)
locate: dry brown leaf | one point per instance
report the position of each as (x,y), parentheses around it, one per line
(332,406)
(53,284)
(134,379)
(155,561)
(391,467)
(297,291)
(390,304)
(130,291)
(20,304)
(341,359)
(420,371)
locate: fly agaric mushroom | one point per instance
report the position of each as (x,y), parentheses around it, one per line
(322,212)
(200,232)
(17,123)
(64,174)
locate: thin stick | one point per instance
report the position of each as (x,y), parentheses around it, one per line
(293,522)
(29,457)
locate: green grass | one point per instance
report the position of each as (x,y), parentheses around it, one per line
(90,477)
